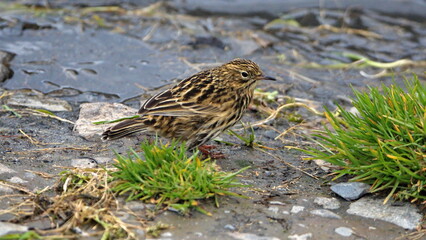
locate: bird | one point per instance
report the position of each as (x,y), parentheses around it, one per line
(199,107)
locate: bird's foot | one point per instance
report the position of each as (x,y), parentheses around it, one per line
(206,150)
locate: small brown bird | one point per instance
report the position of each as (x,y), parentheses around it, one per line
(198,108)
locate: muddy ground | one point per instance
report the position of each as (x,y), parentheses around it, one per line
(121,53)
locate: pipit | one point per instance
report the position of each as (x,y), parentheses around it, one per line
(198,108)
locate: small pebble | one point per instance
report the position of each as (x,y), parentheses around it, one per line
(229,227)
(344,231)
(305,236)
(297,209)
(327,203)
(325,213)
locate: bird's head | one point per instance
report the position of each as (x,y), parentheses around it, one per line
(241,73)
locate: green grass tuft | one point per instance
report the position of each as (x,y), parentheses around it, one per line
(165,175)
(385,144)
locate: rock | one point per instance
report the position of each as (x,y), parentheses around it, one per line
(135,205)
(230,227)
(4,169)
(405,216)
(84,163)
(93,112)
(250,236)
(276,203)
(296,209)
(351,190)
(327,203)
(344,231)
(5,190)
(305,236)
(7,228)
(36,99)
(166,234)
(89,162)
(325,213)
(17,180)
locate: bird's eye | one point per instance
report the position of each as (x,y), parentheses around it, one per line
(244,74)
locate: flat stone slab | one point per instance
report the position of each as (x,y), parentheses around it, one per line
(405,215)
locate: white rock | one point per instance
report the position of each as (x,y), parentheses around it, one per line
(344,231)
(6,228)
(5,169)
(94,112)
(327,203)
(18,180)
(405,216)
(297,209)
(300,237)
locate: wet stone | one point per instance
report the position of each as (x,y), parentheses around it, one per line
(36,99)
(327,203)
(93,112)
(325,213)
(351,190)
(405,215)
(344,231)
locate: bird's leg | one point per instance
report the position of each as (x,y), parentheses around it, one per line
(206,151)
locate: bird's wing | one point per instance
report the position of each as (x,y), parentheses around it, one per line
(166,104)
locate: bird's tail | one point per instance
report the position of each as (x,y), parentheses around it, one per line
(123,129)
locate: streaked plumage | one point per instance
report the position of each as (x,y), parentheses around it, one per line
(198,108)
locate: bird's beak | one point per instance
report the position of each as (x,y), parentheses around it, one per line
(267,78)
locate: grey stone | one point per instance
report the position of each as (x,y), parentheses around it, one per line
(350,190)
(7,228)
(135,205)
(325,213)
(249,236)
(5,190)
(5,169)
(35,99)
(327,203)
(94,112)
(17,180)
(405,216)
(344,231)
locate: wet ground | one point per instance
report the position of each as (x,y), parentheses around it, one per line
(105,52)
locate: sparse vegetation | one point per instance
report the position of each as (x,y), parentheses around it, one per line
(384,144)
(165,175)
